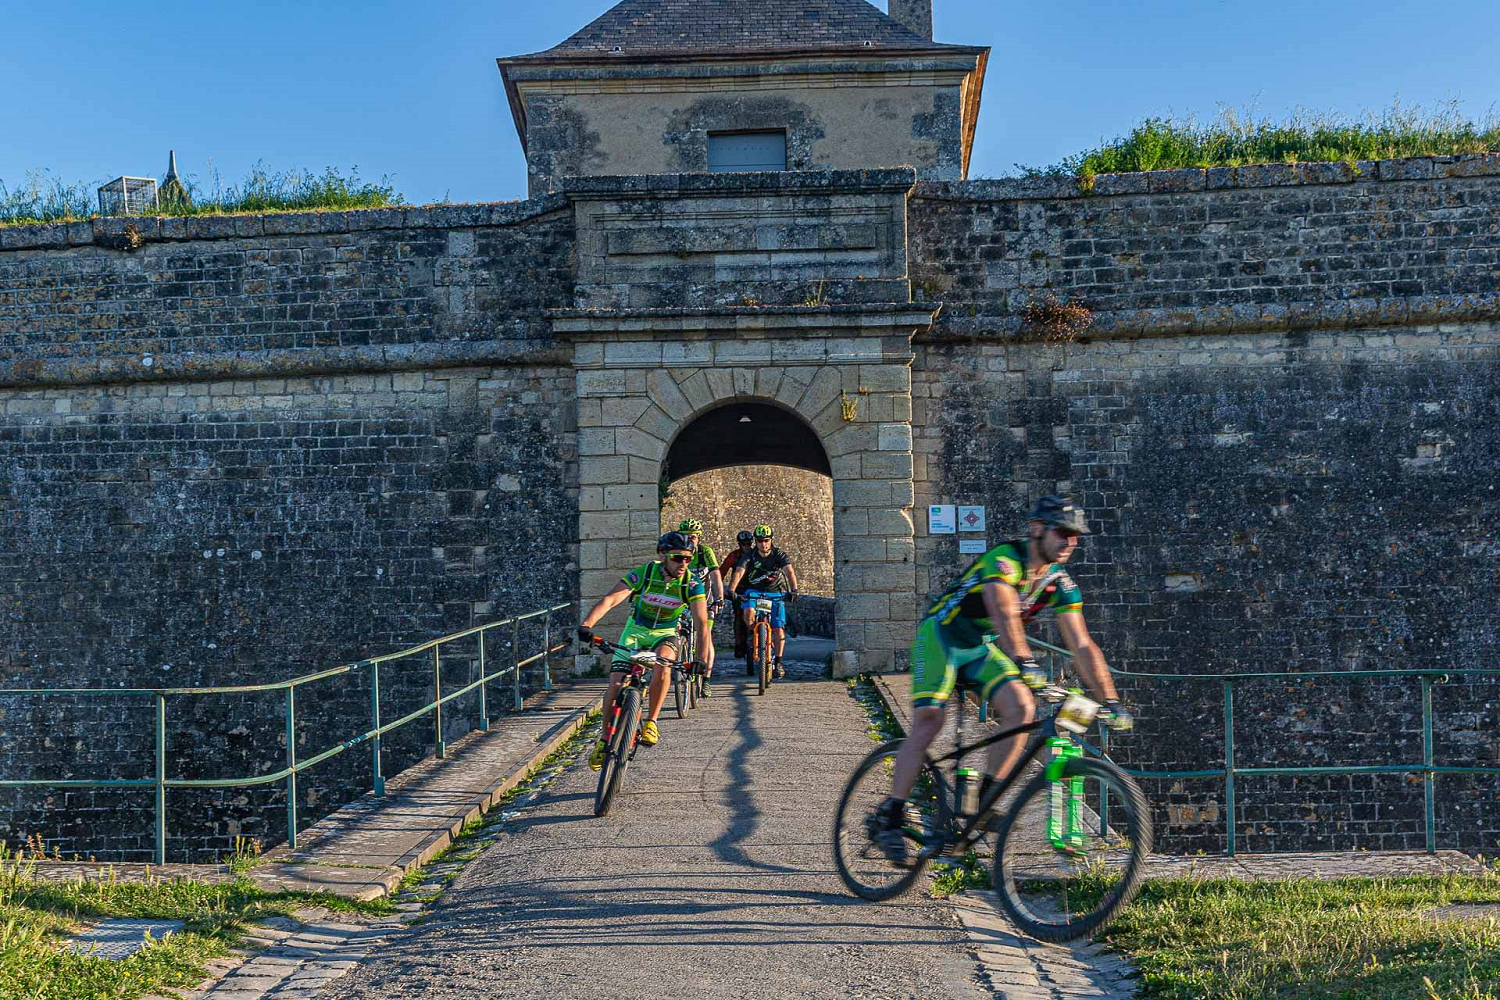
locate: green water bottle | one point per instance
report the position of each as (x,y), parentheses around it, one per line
(966,790)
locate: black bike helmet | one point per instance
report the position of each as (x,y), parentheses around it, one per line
(744,537)
(674,541)
(1060,512)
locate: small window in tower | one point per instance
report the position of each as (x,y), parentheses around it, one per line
(733,151)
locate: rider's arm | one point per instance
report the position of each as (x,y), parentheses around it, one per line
(716,584)
(739,571)
(791,576)
(1087,656)
(1003,605)
(606,604)
(700,617)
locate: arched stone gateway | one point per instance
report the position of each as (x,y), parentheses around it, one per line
(844,371)
(746,433)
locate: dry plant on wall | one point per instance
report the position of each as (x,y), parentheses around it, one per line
(1055,321)
(848,408)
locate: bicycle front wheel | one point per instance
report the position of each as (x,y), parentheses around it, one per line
(680,691)
(763,655)
(864,865)
(1069,853)
(618,756)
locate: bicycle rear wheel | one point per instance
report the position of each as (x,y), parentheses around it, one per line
(1059,893)
(863,866)
(763,655)
(617,759)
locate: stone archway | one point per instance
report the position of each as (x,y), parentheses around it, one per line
(844,372)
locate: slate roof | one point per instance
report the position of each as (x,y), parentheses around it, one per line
(663,28)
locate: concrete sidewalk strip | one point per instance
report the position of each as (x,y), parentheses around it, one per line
(363,849)
(117,940)
(1017,967)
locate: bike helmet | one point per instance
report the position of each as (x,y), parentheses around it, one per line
(691,526)
(1060,512)
(744,536)
(763,531)
(674,541)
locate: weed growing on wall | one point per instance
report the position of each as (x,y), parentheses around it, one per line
(1237,138)
(45,198)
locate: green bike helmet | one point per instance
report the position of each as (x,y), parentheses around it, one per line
(763,531)
(691,526)
(1060,512)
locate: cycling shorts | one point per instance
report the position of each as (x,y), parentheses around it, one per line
(778,605)
(635,637)
(938,663)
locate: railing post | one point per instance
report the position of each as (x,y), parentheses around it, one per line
(547,651)
(1429,812)
(515,648)
(437,700)
(161,778)
(1229,762)
(379,779)
(484,685)
(291,762)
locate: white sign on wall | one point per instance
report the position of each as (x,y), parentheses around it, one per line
(971,546)
(942,519)
(970,518)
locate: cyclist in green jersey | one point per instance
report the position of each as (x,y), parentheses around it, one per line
(705,566)
(662,590)
(999,592)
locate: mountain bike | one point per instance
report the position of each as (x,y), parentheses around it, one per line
(1069,841)
(760,628)
(622,720)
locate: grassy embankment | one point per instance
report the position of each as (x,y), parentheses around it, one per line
(44,198)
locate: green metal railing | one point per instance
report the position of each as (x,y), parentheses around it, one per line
(1428,768)
(159,782)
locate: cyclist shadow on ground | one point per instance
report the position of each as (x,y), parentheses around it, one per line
(744,815)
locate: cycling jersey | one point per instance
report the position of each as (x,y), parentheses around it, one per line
(659,601)
(703,560)
(727,568)
(763,572)
(961,611)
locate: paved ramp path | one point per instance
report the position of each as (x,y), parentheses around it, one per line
(712,877)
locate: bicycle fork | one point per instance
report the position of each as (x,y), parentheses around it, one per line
(1065,801)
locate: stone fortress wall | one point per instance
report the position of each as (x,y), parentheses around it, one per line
(247,447)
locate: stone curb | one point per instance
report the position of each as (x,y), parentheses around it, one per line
(282,870)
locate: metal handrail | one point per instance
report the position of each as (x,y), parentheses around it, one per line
(1428,767)
(160,782)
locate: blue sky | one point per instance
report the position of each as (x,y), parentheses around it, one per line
(94,90)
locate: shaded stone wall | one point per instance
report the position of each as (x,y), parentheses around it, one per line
(1282,423)
(798,505)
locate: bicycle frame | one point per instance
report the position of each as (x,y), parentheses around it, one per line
(1062,835)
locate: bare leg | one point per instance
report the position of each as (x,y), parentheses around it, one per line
(926,723)
(750,637)
(778,641)
(661,682)
(1013,706)
(708,653)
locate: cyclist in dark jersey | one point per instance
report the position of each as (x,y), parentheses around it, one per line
(767,571)
(726,569)
(705,566)
(996,596)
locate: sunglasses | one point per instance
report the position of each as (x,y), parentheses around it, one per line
(680,557)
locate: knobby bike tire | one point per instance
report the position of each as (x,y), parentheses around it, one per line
(679,691)
(620,748)
(1136,813)
(763,655)
(689,678)
(843,823)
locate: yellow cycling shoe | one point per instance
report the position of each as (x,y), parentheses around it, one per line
(596,758)
(649,734)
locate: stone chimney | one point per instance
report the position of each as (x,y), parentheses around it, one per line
(915,15)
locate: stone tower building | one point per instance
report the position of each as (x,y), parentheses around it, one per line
(669,86)
(236,449)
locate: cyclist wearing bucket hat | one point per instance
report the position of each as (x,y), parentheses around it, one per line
(767,572)
(705,566)
(662,590)
(999,592)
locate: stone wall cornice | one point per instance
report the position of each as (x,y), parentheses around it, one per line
(959,60)
(111,232)
(1260,175)
(1251,318)
(842,320)
(206,366)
